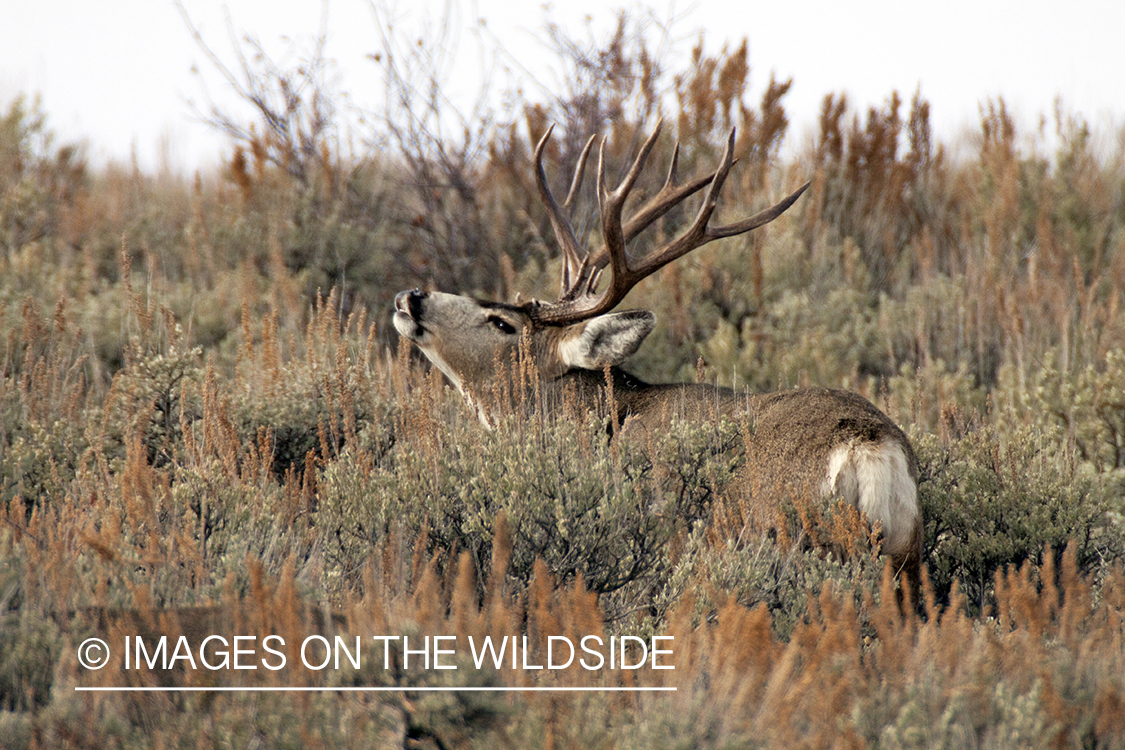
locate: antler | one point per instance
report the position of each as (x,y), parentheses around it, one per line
(572,255)
(578,296)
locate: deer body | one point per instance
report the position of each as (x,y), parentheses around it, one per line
(809,442)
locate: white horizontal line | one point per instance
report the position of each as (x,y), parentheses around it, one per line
(374,689)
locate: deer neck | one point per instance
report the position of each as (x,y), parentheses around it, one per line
(626,397)
(616,394)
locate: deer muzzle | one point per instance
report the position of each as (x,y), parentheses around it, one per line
(408,314)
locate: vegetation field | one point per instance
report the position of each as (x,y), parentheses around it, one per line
(208,427)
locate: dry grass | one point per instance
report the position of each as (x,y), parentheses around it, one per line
(199,532)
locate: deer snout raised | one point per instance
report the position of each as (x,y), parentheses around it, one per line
(408,313)
(410,301)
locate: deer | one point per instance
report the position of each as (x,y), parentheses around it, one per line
(829,443)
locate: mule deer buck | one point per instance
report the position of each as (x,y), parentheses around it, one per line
(806,442)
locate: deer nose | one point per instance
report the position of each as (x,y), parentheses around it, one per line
(410,302)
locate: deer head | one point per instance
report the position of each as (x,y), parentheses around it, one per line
(466,337)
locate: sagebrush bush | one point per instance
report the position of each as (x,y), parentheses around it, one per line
(1084,407)
(607,512)
(994,499)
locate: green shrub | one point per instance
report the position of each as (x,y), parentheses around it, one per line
(1084,406)
(995,498)
(585,506)
(753,571)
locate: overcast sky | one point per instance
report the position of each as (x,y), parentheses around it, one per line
(120,73)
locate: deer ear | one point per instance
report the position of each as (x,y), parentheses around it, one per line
(607,339)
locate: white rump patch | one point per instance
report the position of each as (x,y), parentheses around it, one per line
(875,478)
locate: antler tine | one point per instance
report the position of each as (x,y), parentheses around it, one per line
(579,171)
(670,180)
(616,199)
(611,205)
(697,234)
(670,196)
(574,257)
(700,232)
(760,218)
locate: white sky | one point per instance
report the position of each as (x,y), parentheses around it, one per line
(119,73)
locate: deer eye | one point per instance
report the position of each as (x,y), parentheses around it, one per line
(501,325)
